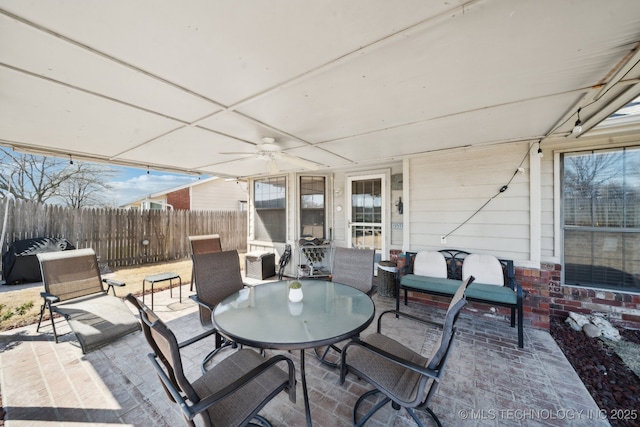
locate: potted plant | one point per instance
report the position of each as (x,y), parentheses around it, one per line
(295,291)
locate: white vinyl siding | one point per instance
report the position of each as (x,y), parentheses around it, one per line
(447,188)
(218,195)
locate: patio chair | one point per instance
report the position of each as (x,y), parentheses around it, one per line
(217,275)
(204,244)
(406,378)
(231,393)
(74,289)
(352,267)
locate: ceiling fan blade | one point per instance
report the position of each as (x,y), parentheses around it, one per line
(272,166)
(298,161)
(238,152)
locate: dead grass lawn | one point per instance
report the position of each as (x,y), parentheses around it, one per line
(132,276)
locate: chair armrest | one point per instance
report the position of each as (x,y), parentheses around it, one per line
(247,378)
(190,412)
(197,338)
(390,357)
(49,298)
(408,316)
(113,282)
(200,302)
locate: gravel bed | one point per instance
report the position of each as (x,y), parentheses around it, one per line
(614,387)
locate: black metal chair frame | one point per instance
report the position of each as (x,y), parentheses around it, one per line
(171,383)
(428,373)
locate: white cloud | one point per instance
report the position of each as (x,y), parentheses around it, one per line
(138,184)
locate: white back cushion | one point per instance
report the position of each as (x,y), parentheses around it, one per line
(485,268)
(430,263)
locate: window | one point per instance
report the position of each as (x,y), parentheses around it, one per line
(270,200)
(366,213)
(601,214)
(312,206)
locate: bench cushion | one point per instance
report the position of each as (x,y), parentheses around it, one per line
(430,284)
(431,264)
(492,293)
(478,291)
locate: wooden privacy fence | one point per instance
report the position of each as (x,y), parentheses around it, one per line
(123,237)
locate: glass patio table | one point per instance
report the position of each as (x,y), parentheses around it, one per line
(263,317)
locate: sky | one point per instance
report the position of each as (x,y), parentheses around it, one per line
(129,184)
(133,183)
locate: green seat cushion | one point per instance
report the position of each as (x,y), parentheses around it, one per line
(477,291)
(430,284)
(493,293)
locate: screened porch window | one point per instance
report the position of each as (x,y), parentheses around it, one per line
(601,214)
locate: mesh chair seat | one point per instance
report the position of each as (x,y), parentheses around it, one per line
(392,378)
(238,407)
(97,320)
(74,289)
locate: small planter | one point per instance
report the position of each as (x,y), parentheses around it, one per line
(295,292)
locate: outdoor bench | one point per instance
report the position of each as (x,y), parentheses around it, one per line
(508,294)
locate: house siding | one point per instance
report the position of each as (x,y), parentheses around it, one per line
(218,195)
(448,188)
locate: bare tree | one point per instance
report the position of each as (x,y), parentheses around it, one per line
(45,179)
(88,186)
(31,177)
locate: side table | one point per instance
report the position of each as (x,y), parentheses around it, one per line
(161,277)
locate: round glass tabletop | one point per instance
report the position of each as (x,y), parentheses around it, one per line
(263,316)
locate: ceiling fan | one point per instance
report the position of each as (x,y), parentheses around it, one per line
(271,152)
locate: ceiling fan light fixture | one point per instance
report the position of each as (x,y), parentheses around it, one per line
(268,140)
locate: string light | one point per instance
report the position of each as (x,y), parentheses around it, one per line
(577,128)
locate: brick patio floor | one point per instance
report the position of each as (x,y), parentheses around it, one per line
(489,380)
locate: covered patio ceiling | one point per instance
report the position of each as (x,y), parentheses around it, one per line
(173,85)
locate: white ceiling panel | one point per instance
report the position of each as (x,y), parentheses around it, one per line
(519,122)
(228,51)
(45,55)
(439,70)
(174,85)
(244,128)
(51,116)
(191,146)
